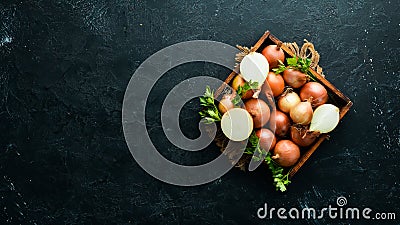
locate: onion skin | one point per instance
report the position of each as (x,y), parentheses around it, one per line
(259,110)
(287,101)
(286,153)
(302,137)
(282,122)
(294,78)
(226,104)
(267,138)
(239,81)
(302,113)
(314,92)
(273,53)
(276,84)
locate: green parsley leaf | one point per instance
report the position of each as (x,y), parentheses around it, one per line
(242,90)
(210,111)
(295,63)
(280,178)
(292,61)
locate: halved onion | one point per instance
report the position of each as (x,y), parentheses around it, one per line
(237,124)
(325,118)
(254,67)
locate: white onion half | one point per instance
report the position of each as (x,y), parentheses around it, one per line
(237,124)
(254,67)
(325,118)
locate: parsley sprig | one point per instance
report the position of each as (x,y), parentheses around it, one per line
(295,63)
(254,147)
(210,111)
(281,179)
(243,89)
(299,63)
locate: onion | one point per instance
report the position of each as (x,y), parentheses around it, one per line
(254,67)
(286,153)
(226,103)
(314,92)
(302,137)
(276,84)
(294,78)
(239,81)
(287,101)
(259,110)
(282,123)
(302,113)
(273,53)
(237,124)
(267,139)
(325,119)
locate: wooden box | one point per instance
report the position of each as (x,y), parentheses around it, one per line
(336,97)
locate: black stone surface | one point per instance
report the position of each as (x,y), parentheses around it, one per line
(64,67)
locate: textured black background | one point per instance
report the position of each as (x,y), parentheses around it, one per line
(64,67)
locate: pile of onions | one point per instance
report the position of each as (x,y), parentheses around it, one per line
(302,110)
